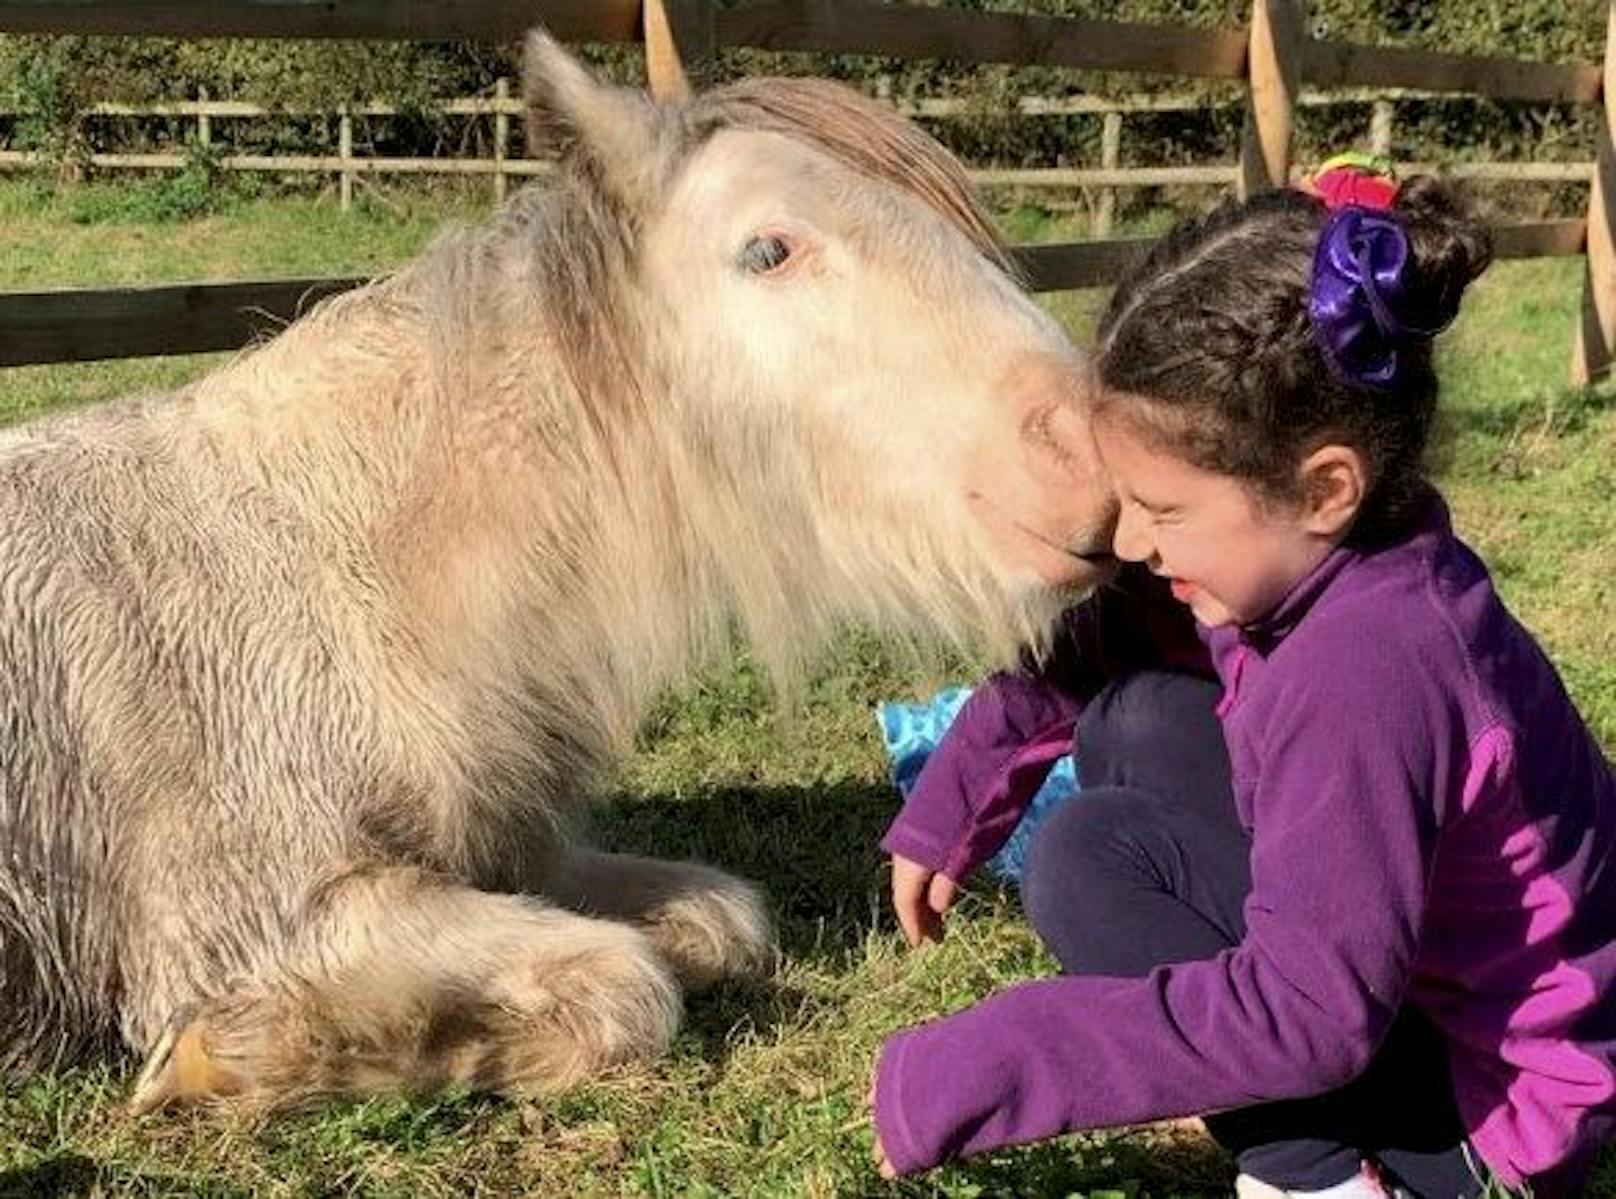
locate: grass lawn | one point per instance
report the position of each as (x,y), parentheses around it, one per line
(763,1092)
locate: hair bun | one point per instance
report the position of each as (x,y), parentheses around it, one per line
(1450,247)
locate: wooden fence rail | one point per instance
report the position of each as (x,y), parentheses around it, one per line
(1275,56)
(349,166)
(72,325)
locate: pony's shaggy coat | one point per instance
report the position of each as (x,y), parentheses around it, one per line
(303,667)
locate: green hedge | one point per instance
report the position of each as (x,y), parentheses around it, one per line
(51,80)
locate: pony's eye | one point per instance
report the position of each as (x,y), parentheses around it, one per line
(763,255)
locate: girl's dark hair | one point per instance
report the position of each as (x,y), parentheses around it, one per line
(1213,334)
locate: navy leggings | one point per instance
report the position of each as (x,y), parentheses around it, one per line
(1150,865)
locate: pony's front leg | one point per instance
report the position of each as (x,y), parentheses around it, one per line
(406,981)
(708,924)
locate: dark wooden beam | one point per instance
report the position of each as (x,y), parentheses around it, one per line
(906,31)
(76,325)
(1066,265)
(404,20)
(1341,64)
(1541,239)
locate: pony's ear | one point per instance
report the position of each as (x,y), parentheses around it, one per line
(620,135)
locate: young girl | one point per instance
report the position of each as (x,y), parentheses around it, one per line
(1359,901)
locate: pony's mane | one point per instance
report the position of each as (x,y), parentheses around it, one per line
(576,242)
(862,135)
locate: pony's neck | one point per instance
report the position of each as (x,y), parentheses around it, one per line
(538,537)
(333,402)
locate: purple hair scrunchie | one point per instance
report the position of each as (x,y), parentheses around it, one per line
(1359,296)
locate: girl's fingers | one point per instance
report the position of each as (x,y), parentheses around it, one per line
(910,883)
(909,921)
(918,921)
(920,897)
(931,925)
(882,1165)
(907,903)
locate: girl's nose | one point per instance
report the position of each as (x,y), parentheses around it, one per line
(1131,542)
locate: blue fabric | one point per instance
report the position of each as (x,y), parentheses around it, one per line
(911,731)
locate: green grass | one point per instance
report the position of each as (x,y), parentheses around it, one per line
(763,1092)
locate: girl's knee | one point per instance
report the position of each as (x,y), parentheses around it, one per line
(1140,715)
(1066,859)
(1142,709)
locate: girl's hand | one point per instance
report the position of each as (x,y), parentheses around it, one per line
(882,1166)
(920,897)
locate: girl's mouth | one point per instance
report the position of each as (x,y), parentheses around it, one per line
(1183,592)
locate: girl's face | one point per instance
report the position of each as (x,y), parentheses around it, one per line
(1231,557)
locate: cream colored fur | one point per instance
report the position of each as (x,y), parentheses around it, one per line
(305,668)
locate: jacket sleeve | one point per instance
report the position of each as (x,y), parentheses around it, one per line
(1345,832)
(993,758)
(983,773)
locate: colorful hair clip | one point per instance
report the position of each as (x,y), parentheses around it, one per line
(1362,300)
(1356,180)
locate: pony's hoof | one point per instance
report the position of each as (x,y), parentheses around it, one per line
(180,1070)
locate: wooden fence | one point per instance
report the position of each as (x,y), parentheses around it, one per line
(349,165)
(1274,56)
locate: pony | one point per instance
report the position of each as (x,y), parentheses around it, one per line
(307,667)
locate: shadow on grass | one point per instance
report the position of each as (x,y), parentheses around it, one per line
(1158,1164)
(1564,410)
(814,851)
(70,1175)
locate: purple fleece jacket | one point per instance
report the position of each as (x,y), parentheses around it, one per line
(1432,823)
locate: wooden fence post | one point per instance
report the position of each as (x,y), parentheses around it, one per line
(679,34)
(204,121)
(502,135)
(1110,154)
(1273,76)
(1380,129)
(1596,330)
(345,155)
